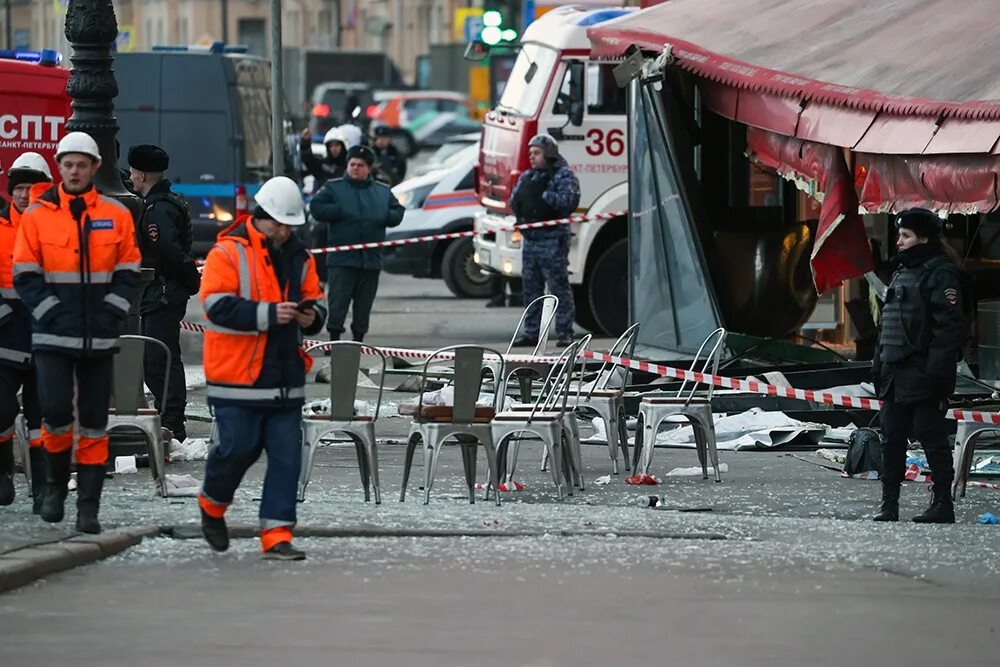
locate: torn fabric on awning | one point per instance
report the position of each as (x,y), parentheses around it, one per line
(956,184)
(840,250)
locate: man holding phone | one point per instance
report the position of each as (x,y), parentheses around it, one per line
(261,293)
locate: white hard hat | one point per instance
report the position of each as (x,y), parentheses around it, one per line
(31,161)
(281,200)
(351,135)
(335,134)
(78,142)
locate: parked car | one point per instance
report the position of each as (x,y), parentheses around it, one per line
(440,202)
(443,157)
(425,117)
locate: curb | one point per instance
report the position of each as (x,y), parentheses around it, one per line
(23,566)
(246,531)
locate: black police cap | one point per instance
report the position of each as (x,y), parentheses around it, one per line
(362,153)
(147,157)
(920,221)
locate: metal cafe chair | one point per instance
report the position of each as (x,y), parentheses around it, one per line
(657,408)
(345,363)
(463,423)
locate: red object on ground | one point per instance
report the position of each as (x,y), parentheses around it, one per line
(643,480)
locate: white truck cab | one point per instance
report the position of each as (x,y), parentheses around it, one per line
(556,88)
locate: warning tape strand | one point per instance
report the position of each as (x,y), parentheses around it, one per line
(746,386)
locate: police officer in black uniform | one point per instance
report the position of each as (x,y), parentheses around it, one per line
(924,330)
(164,230)
(390,164)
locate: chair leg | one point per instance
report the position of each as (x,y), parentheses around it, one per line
(431,454)
(411,446)
(571,440)
(308,452)
(491,461)
(611,429)
(701,446)
(555,454)
(371,449)
(713,451)
(359,449)
(622,429)
(639,444)
(470,474)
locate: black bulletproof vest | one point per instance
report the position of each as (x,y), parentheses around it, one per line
(905,329)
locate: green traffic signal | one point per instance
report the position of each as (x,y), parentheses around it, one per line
(493,31)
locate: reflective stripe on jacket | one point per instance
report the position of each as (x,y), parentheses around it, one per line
(15,320)
(77,276)
(248,357)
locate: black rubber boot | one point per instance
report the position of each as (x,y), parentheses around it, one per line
(890,502)
(215,531)
(525,341)
(90,482)
(39,479)
(56,479)
(284,551)
(941,509)
(6,472)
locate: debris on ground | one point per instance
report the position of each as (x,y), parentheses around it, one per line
(695,471)
(179,486)
(125,465)
(989,518)
(643,480)
(752,429)
(192,449)
(603,480)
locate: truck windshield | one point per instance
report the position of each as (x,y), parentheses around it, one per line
(527,85)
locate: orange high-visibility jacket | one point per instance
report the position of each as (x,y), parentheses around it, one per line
(249,358)
(77,273)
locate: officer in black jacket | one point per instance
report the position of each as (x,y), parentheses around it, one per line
(390,164)
(924,330)
(164,230)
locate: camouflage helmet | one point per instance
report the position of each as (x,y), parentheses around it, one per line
(549,146)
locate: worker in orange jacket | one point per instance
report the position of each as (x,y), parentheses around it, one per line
(29,174)
(261,293)
(76,268)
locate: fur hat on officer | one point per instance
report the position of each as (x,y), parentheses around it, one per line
(148,158)
(361,152)
(549,146)
(921,222)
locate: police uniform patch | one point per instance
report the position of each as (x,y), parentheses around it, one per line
(951,296)
(102,224)
(153,232)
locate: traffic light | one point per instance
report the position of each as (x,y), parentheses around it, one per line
(494,32)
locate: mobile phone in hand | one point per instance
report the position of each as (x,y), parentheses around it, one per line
(305,304)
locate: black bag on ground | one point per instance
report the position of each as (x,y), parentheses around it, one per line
(864,452)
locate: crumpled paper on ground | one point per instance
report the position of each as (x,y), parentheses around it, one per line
(446,396)
(322,407)
(180,486)
(192,449)
(696,471)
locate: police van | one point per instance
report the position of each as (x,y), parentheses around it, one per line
(210,109)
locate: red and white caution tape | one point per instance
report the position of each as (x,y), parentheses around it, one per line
(746,386)
(458,235)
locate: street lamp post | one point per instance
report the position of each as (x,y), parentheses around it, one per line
(91,28)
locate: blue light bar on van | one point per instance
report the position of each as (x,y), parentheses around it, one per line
(214,47)
(601,16)
(47,57)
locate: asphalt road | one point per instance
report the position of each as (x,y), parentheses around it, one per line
(779,566)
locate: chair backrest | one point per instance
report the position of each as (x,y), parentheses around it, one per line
(469,363)
(623,347)
(345,364)
(549,304)
(708,364)
(129,396)
(555,390)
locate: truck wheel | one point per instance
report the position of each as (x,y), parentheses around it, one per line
(607,288)
(461,273)
(582,313)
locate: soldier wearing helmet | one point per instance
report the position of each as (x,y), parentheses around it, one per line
(390,164)
(76,268)
(261,294)
(28,177)
(547,191)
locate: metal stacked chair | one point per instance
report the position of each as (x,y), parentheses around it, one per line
(345,363)
(656,408)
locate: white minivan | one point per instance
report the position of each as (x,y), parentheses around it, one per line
(441,201)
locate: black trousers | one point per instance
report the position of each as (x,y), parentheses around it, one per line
(350,288)
(164,324)
(925,421)
(12,379)
(56,372)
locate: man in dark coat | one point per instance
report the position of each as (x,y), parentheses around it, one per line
(164,230)
(924,330)
(356,209)
(390,163)
(547,191)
